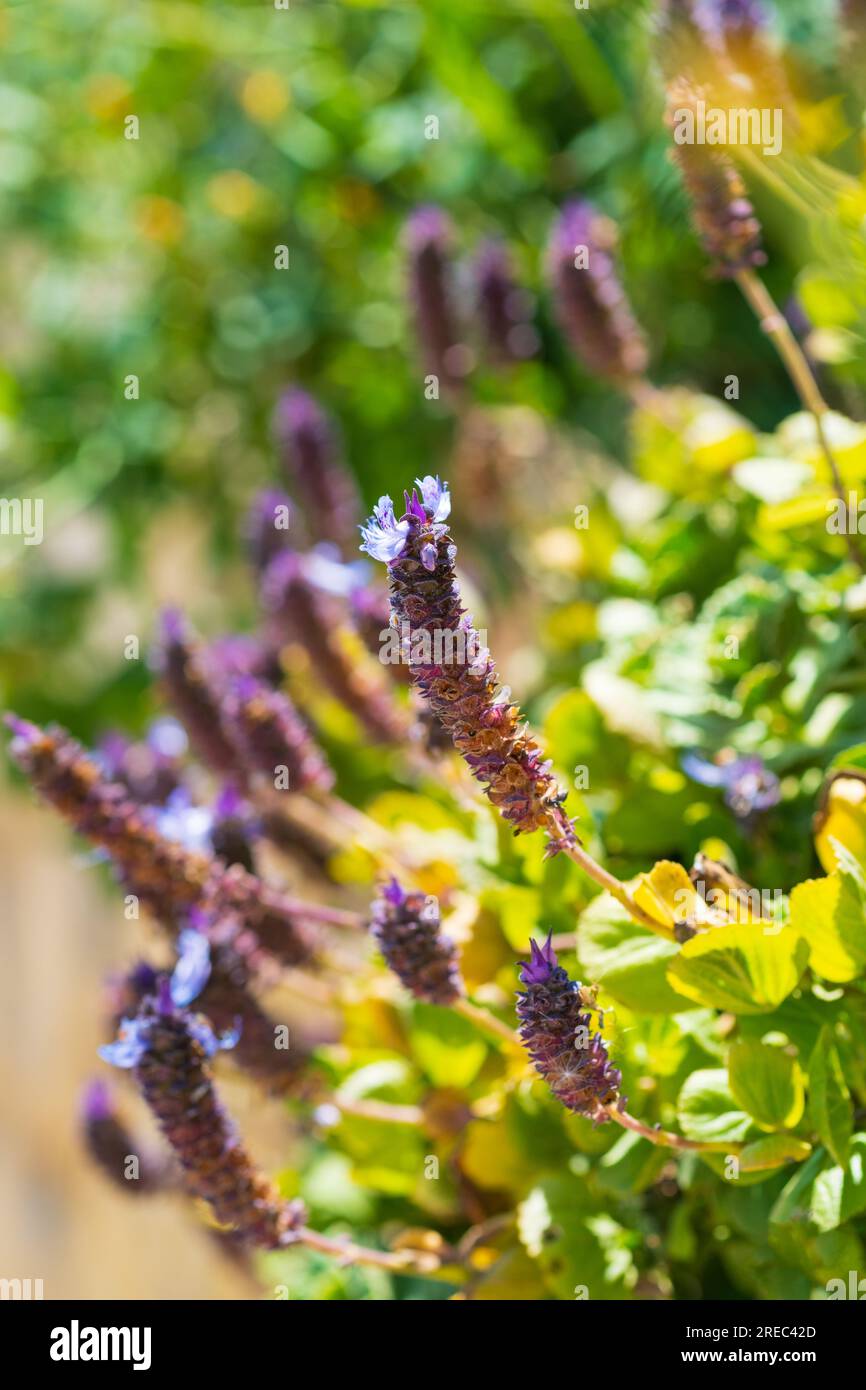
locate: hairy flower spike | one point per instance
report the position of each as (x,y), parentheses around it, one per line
(555,1029)
(723,216)
(407,927)
(427,238)
(303,613)
(270,735)
(590,302)
(168,1049)
(454,671)
(312,459)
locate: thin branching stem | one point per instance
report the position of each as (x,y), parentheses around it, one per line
(616,888)
(776,327)
(665,1139)
(346,1252)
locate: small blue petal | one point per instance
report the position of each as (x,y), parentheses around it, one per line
(128,1048)
(384,536)
(436,498)
(192,971)
(707,773)
(189,825)
(205,1036)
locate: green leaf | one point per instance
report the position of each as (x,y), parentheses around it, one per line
(767,1083)
(793,1202)
(822,1255)
(743,968)
(850,757)
(839,1193)
(828,914)
(385,1157)
(829,1100)
(446,1046)
(518,909)
(773,1152)
(631,1165)
(581,1253)
(706,1109)
(627,961)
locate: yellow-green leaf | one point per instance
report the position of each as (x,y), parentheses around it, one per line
(767,1083)
(773,1152)
(828,914)
(744,968)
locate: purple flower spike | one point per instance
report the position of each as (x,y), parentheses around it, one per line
(407,927)
(504,308)
(267,526)
(541,964)
(269,734)
(193,689)
(312,457)
(301,612)
(590,302)
(170,1059)
(454,672)
(724,218)
(427,237)
(555,1028)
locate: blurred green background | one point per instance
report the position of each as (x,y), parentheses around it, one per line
(305,127)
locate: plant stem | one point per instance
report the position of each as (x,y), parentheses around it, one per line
(665,1138)
(323,915)
(380,1110)
(774,324)
(347,1252)
(616,888)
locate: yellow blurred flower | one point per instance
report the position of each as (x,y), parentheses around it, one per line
(265,96)
(233,194)
(159,219)
(842,818)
